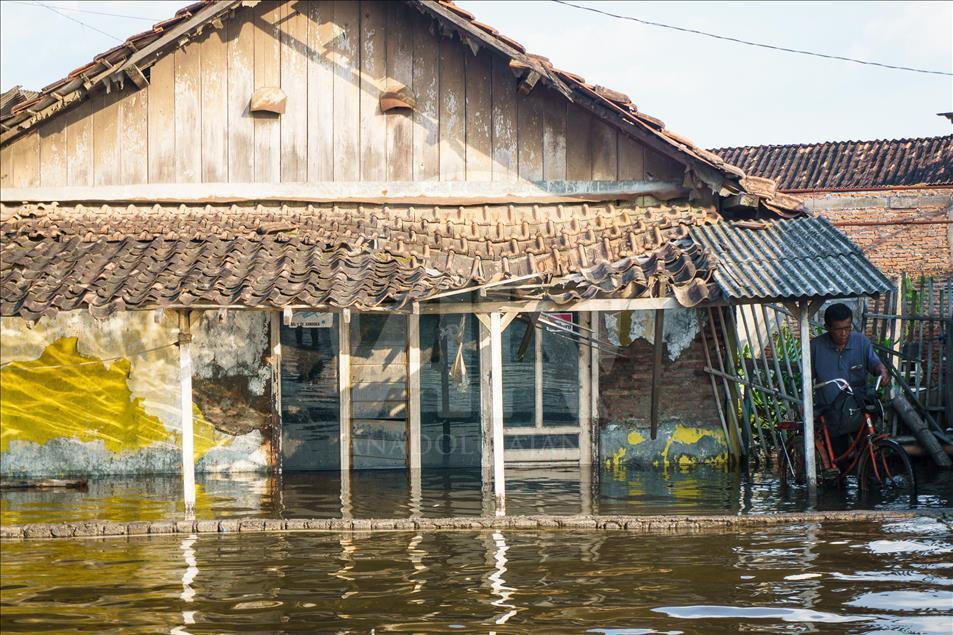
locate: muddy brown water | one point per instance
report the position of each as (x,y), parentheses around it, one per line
(839,578)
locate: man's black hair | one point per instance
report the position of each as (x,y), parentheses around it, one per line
(837,313)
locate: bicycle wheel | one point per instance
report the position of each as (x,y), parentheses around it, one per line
(887,472)
(793,462)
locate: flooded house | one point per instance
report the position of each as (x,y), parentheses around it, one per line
(280,236)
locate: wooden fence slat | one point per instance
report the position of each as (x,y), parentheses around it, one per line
(267,74)
(134,137)
(453,130)
(53,157)
(504,123)
(188,114)
(345,56)
(554,137)
(79,139)
(529,134)
(578,144)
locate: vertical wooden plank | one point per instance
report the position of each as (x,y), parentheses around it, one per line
(347,91)
(275,337)
(659,167)
(373,123)
(578,144)
(807,391)
(344,387)
(400,70)
(554,137)
(504,122)
(26,160)
(413,389)
(594,391)
(241,84)
(106,148)
(134,136)
(267,73)
(427,92)
(530,137)
(585,401)
(631,159)
(79,145)
(188,114)
(486,402)
(294,81)
(605,152)
(185,411)
(6,166)
(496,396)
(161,117)
(538,376)
(453,131)
(321,33)
(479,115)
(214,108)
(53,153)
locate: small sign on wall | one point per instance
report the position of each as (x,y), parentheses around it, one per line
(312,319)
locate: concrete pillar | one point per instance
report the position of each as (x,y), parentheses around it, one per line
(496,395)
(807,390)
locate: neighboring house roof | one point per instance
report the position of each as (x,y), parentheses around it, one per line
(14,97)
(849,165)
(108,258)
(127,61)
(788,259)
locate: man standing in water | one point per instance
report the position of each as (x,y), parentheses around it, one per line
(842,353)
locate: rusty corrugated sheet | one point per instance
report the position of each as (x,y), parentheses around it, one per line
(787,259)
(849,165)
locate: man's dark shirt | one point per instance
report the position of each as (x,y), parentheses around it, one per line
(853,364)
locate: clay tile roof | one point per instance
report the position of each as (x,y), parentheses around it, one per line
(849,165)
(107,258)
(13,97)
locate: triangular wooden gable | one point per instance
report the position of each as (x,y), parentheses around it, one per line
(333,60)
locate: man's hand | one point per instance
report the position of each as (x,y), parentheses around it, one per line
(884,376)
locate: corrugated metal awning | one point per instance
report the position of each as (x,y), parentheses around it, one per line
(788,258)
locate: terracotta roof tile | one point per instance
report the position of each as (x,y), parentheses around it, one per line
(59,258)
(849,165)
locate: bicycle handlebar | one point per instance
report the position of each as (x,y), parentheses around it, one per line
(843,384)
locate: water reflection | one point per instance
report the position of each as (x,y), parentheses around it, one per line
(437,493)
(493,581)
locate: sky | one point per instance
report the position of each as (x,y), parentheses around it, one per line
(717,93)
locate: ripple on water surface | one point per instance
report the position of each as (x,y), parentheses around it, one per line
(502,581)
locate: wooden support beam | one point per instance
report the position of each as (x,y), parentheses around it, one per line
(496,397)
(807,391)
(594,394)
(185,412)
(275,331)
(413,391)
(538,377)
(486,409)
(344,389)
(535,306)
(585,406)
(657,370)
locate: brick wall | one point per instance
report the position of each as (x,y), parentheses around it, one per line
(625,387)
(895,247)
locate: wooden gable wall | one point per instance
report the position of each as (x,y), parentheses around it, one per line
(333,60)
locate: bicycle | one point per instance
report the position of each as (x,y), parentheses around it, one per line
(879,462)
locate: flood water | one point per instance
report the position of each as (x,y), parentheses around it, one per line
(442,493)
(894,577)
(830,578)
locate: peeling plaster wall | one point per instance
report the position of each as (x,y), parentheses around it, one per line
(90,397)
(690,429)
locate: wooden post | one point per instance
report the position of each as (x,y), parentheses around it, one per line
(185,410)
(413,389)
(344,388)
(594,426)
(657,369)
(275,329)
(496,396)
(538,376)
(807,392)
(585,399)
